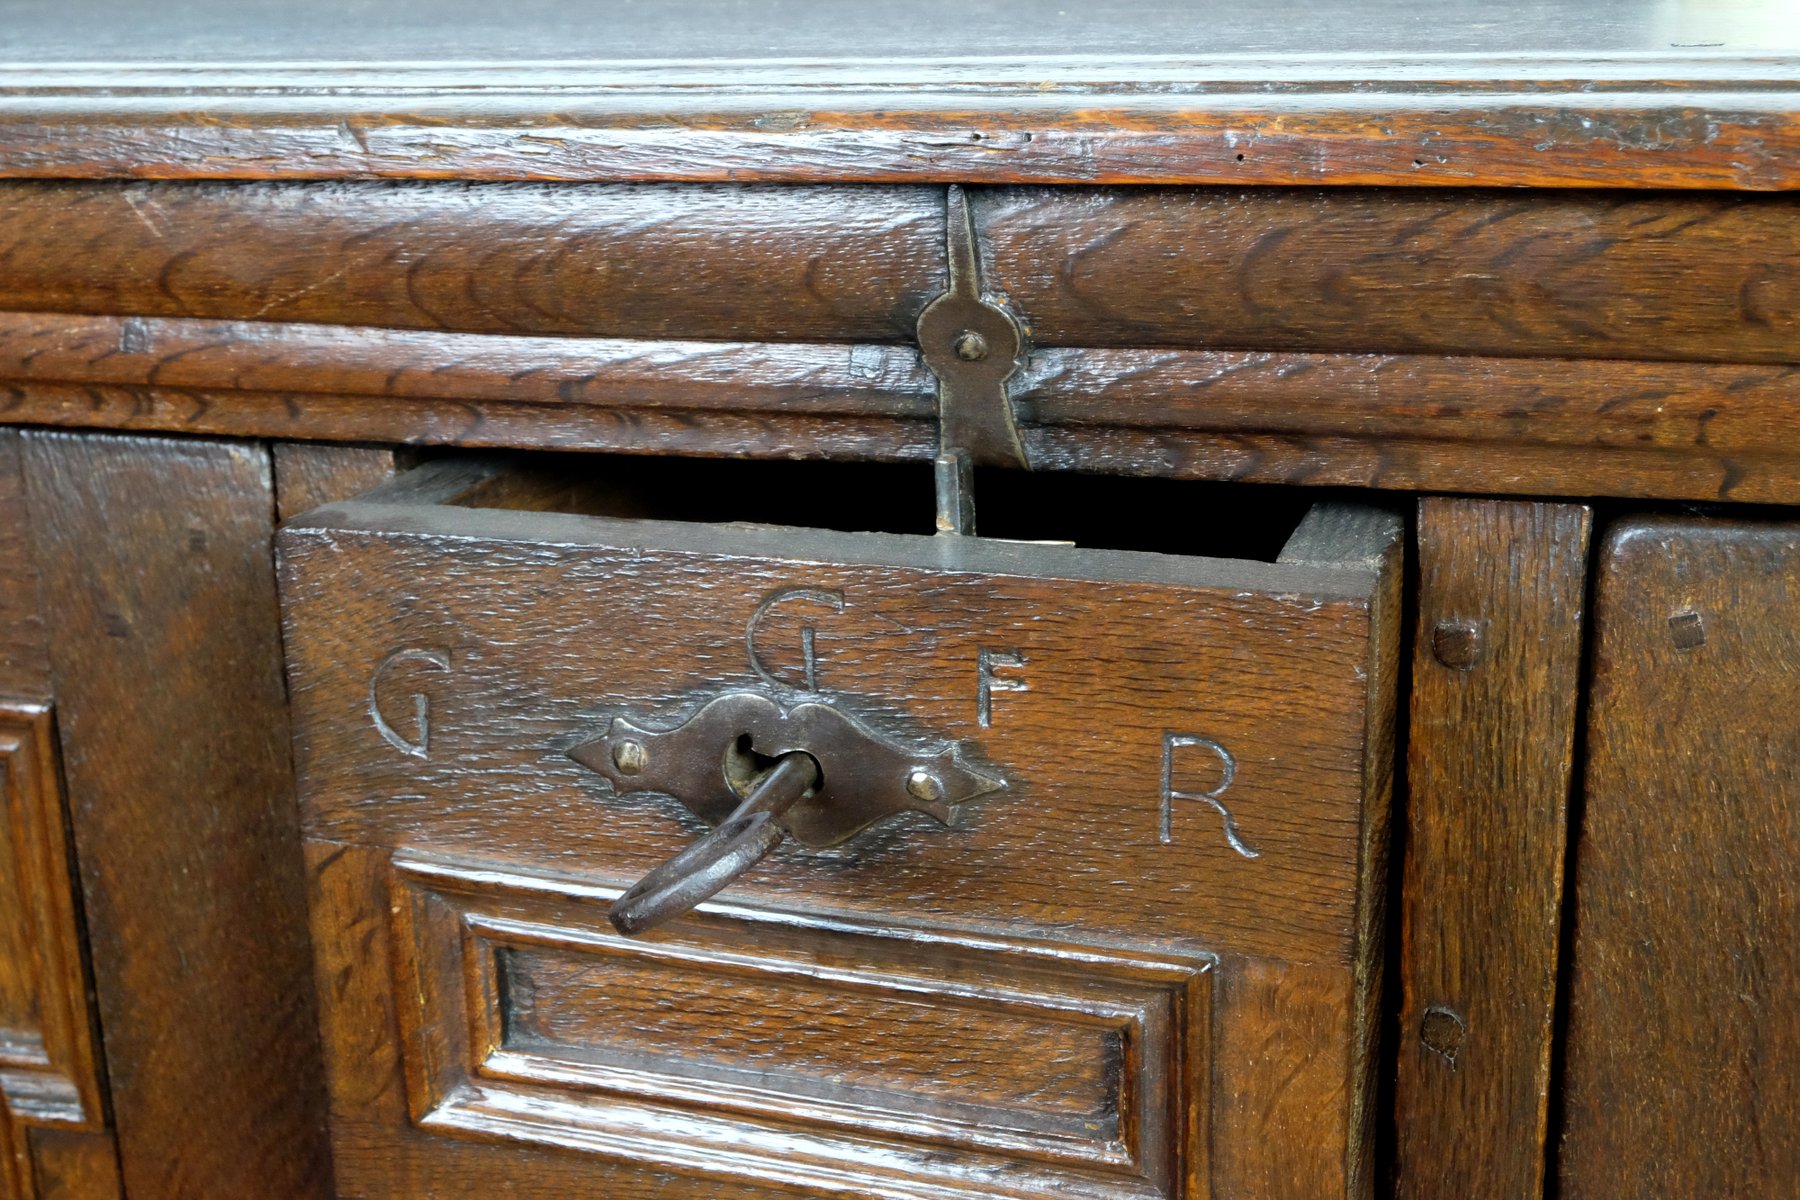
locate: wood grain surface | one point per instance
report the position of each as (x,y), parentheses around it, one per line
(1583,274)
(46,1162)
(70,1165)
(167,666)
(928,1059)
(493,688)
(1570,274)
(1683,1060)
(1495,688)
(731,263)
(819,378)
(15,1160)
(308,475)
(1417,422)
(1409,421)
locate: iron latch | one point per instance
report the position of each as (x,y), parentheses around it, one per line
(973,344)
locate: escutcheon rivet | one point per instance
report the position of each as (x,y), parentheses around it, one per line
(630,757)
(971,347)
(923,785)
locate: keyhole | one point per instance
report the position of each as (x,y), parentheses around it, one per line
(744,767)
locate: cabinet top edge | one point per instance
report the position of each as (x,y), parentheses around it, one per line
(1611,93)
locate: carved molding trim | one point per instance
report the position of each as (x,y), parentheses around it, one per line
(49,1070)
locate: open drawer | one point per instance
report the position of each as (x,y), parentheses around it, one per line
(1127,944)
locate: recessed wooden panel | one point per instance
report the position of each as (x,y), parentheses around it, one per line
(49,1074)
(1065,1069)
(1683,1062)
(1197,759)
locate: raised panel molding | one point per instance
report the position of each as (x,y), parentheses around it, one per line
(48,1069)
(833,1056)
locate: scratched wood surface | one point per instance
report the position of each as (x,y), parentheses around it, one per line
(1683,1059)
(477,778)
(1495,687)
(1609,93)
(707,263)
(166,662)
(1569,274)
(1575,274)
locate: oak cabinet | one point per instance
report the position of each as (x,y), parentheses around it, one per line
(484,709)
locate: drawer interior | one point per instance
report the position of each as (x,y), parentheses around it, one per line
(1215,520)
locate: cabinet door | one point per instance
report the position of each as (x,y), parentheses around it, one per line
(1684,1047)
(1141,965)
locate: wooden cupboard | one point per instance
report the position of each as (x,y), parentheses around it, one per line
(1201,602)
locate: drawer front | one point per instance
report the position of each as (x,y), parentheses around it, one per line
(1141,968)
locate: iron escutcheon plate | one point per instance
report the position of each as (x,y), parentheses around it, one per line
(865,778)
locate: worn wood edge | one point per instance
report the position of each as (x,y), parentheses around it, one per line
(1480,398)
(1386,646)
(1344,535)
(308,474)
(1602,72)
(822,378)
(302,417)
(1492,397)
(1640,132)
(1405,463)
(923,551)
